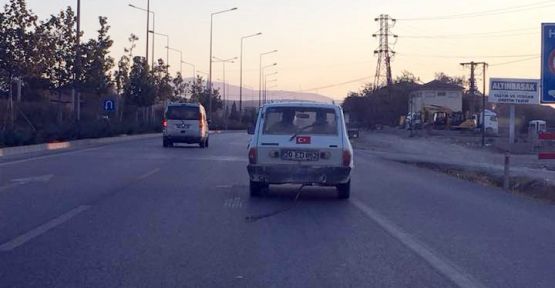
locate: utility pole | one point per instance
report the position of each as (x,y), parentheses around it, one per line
(77,68)
(473,89)
(384,51)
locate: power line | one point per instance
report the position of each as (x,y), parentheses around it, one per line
(507,10)
(516,61)
(466,56)
(493,34)
(336,85)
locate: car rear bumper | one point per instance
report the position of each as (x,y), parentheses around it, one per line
(297,174)
(183,139)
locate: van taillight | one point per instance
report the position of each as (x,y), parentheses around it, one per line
(200,121)
(252,156)
(347,157)
(165,123)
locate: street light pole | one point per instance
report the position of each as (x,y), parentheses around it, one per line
(241,72)
(194,68)
(209,84)
(180,59)
(77,75)
(147,26)
(148,31)
(224,61)
(260,76)
(260,86)
(167,50)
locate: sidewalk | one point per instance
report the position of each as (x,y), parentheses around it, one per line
(396,145)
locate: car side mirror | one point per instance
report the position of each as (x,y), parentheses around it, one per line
(250,130)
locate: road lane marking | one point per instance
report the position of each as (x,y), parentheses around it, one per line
(24,181)
(28,236)
(148,174)
(49,156)
(444,266)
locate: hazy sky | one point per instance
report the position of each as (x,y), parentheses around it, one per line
(326,42)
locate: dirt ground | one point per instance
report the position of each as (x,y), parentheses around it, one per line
(456,150)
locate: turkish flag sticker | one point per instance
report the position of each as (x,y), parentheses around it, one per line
(303,140)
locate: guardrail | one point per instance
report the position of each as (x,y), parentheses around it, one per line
(547,139)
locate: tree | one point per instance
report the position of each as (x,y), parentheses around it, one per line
(407,77)
(97,62)
(234,115)
(162,81)
(61,44)
(179,86)
(121,75)
(19,54)
(140,90)
(199,94)
(440,76)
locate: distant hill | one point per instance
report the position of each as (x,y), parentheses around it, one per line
(252,95)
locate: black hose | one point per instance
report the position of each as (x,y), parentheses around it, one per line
(255,218)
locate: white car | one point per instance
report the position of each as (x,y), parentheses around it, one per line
(300,143)
(185,123)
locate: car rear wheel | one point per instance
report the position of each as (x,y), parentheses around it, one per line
(166,143)
(206,142)
(257,188)
(344,190)
(202,144)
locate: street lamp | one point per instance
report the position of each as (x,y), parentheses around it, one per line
(224,61)
(260,86)
(241,71)
(260,75)
(167,45)
(148,31)
(180,58)
(266,81)
(209,84)
(194,68)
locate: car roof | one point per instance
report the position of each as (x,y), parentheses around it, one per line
(302,104)
(183,104)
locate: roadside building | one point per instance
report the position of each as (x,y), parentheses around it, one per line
(434,100)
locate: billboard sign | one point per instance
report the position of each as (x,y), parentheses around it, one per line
(514,91)
(548,63)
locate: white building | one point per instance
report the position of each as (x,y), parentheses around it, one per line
(436,95)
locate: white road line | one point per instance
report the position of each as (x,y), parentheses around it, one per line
(26,237)
(444,266)
(49,156)
(148,174)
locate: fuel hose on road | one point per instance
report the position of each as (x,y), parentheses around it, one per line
(255,218)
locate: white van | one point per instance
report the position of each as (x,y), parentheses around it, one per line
(300,143)
(185,123)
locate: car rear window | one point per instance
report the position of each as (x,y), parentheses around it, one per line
(182,113)
(305,120)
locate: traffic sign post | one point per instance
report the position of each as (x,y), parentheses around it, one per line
(514,91)
(548,64)
(109,105)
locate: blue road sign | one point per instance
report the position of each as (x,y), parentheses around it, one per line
(109,105)
(548,63)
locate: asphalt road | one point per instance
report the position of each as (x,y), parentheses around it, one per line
(137,215)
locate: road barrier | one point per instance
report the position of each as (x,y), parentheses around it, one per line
(548,140)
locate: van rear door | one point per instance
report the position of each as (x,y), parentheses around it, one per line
(183,120)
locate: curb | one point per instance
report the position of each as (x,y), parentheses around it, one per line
(12,151)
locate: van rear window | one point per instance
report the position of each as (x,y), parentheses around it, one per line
(182,113)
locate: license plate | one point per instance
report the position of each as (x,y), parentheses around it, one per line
(296,155)
(183,126)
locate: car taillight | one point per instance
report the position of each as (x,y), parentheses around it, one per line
(165,123)
(347,157)
(252,156)
(200,122)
